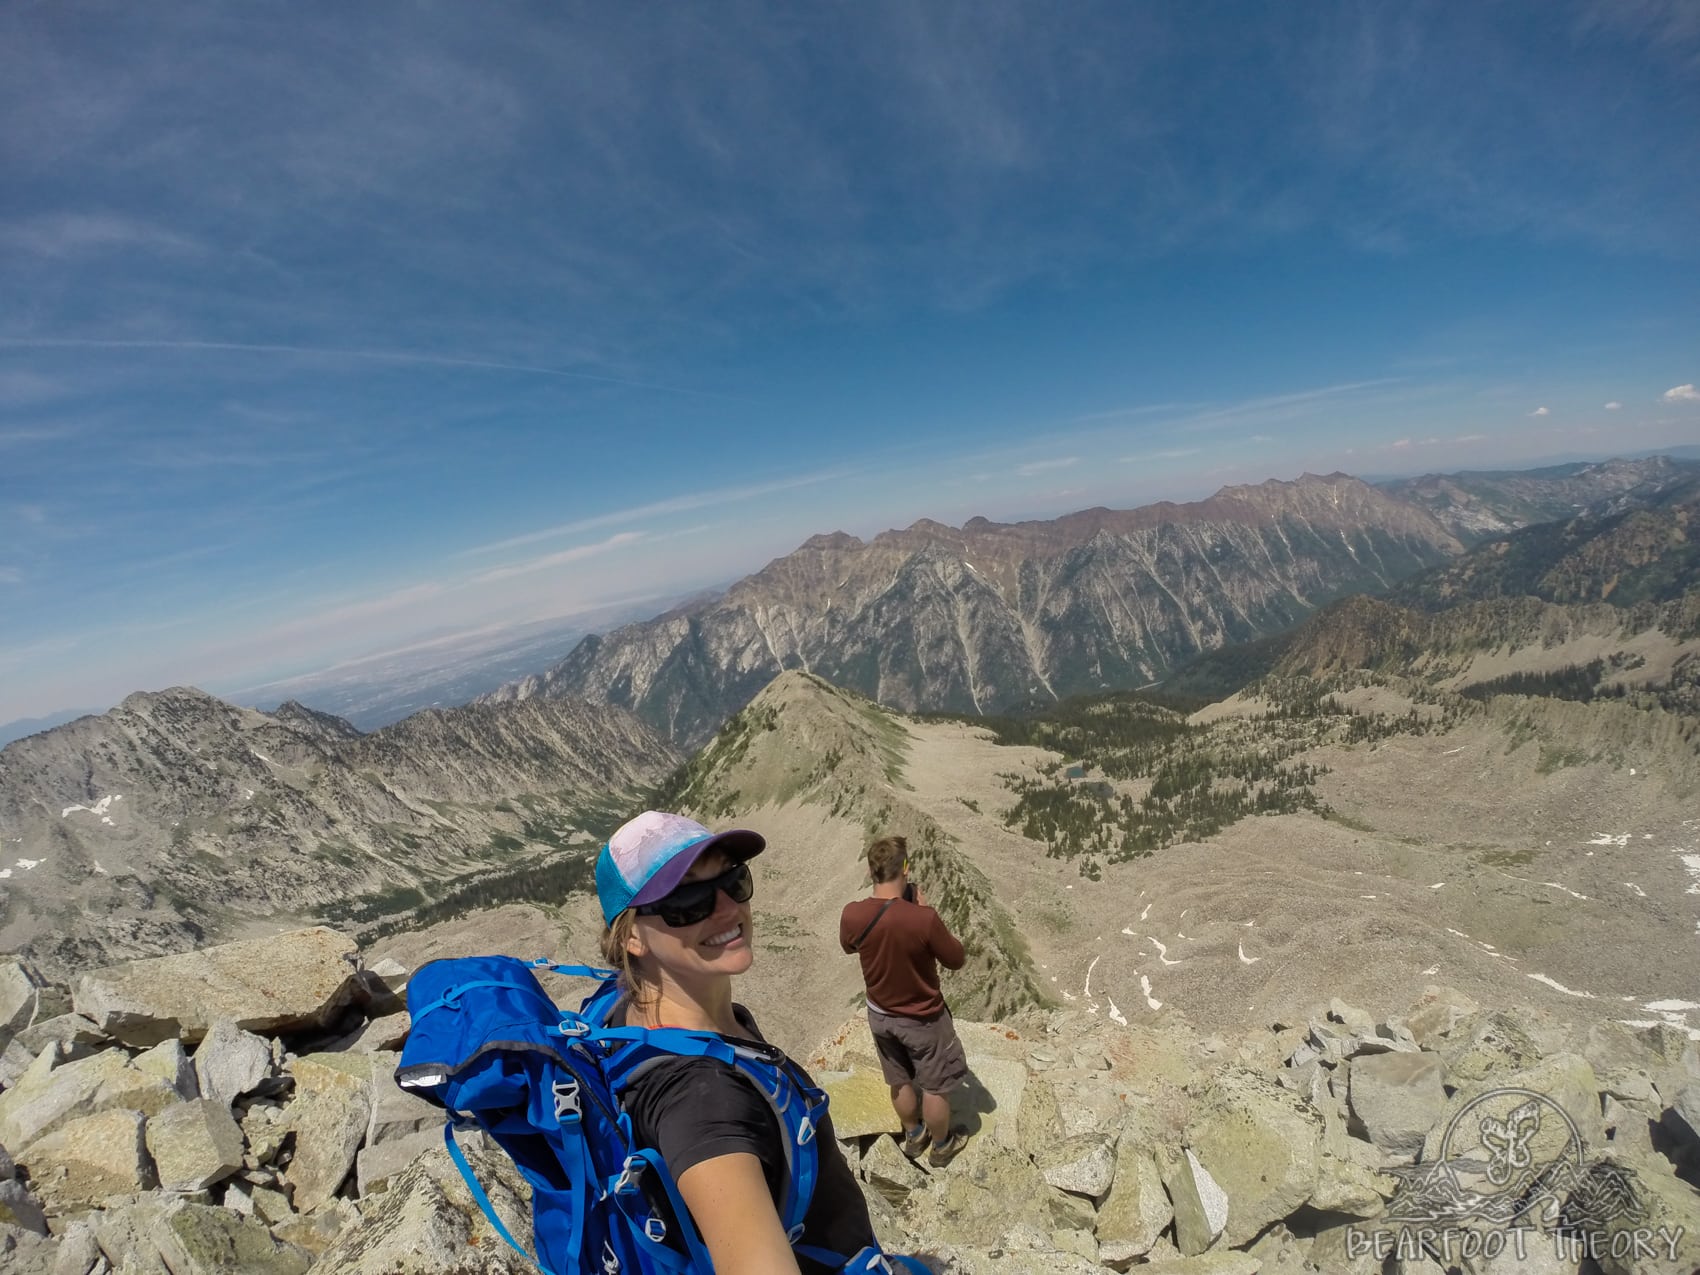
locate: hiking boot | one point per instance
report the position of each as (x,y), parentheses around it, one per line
(946,1151)
(916,1141)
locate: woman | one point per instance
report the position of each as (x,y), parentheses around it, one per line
(676,900)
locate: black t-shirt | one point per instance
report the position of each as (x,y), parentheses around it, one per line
(694,1109)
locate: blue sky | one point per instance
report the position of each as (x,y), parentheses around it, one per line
(328,325)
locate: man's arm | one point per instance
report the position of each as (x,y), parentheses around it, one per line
(946,947)
(844,931)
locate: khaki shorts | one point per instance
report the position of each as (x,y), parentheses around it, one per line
(920,1051)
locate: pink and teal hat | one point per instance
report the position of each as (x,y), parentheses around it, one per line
(649,855)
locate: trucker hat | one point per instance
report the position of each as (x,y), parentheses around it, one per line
(649,855)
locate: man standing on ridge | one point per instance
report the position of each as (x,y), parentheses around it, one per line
(902,942)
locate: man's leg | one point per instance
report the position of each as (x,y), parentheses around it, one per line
(908,1104)
(935,1111)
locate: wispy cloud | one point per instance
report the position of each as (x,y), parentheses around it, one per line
(660,509)
(1682,394)
(1043,466)
(420,358)
(75,234)
(1541,411)
(1168,453)
(578,553)
(1471,438)
(1614,406)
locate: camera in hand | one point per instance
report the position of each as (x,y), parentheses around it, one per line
(909,892)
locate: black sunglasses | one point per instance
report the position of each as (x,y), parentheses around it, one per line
(694,901)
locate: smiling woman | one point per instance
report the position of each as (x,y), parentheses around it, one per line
(676,899)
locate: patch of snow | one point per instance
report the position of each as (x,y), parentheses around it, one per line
(1249,924)
(1437,885)
(1553,885)
(1162,952)
(1610,839)
(262,757)
(1116,1016)
(5,874)
(98,870)
(1147,911)
(1247,960)
(1179,935)
(1087,990)
(1067,995)
(1560,987)
(1450,751)
(1130,931)
(1459,933)
(1639,892)
(1433,969)
(27,864)
(1182,916)
(1665,1007)
(1366,896)
(1646,836)
(99,808)
(1145,986)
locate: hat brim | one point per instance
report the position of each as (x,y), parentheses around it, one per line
(738,843)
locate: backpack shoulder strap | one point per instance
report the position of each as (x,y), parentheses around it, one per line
(856,943)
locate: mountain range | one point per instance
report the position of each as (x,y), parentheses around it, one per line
(177,817)
(990,617)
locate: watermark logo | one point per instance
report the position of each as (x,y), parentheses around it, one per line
(1509,1172)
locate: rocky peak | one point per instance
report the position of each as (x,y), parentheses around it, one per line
(264,1131)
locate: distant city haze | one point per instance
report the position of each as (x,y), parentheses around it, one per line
(335,333)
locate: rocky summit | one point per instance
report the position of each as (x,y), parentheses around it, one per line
(285,1146)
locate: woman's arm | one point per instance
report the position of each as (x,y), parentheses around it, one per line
(729,1202)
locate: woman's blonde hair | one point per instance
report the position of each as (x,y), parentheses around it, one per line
(637,985)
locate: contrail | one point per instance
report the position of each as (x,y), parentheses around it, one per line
(371,356)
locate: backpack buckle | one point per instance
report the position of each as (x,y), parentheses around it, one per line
(566,1099)
(571,1026)
(654,1229)
(630,1172)
(610,1259)
(805,1132)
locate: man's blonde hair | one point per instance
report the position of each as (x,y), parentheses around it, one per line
(887,858)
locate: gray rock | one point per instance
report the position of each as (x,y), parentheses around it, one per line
(48,1096)
(194,1145)
(1441,1009)
(15,1060)
(1640,1194)
(1687,1109)
(230,1062)
(196,1239)
(318,1230)
(1261,1143)
(1490,1042)
(1398,1097)
(1201,1206)
(375,1166)
(75,1035)
(297,981)
(329,1125)
(168,1061)
(1082,1165)
(79,1251)
(84,1161)
(887,1170)
(427,1223)
(396,1113)
(1353,1019)
(386,1033)
(1137,1209)
(21,1209)
(20,993)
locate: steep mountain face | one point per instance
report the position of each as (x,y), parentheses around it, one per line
(1649,552)
(1478,506)
(177,817)
(989,616)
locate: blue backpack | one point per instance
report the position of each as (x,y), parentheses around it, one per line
(488,1044)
